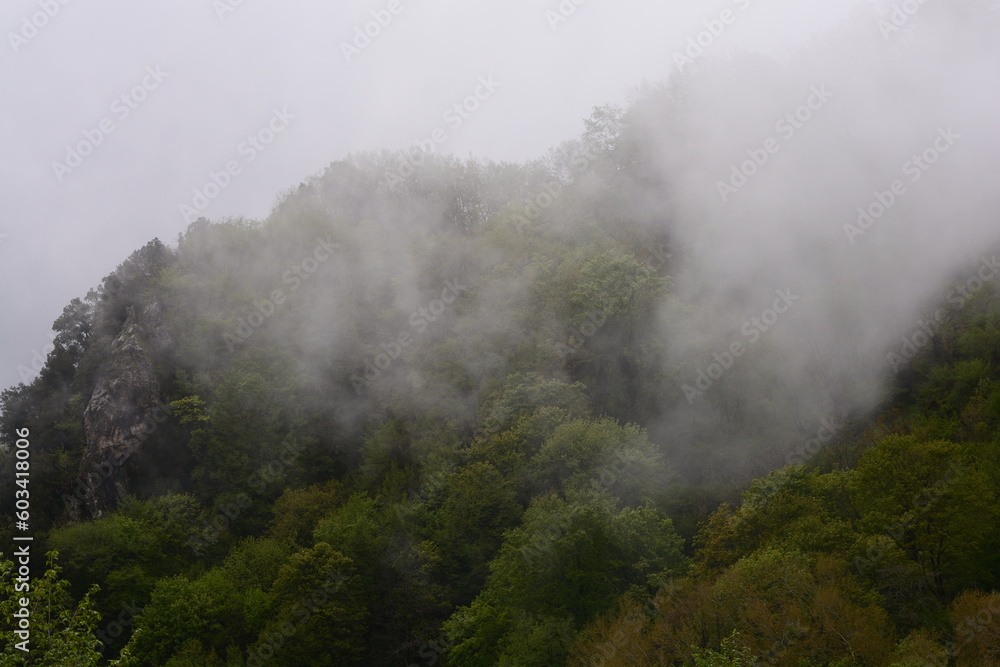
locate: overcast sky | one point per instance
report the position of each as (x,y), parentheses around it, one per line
(167,93)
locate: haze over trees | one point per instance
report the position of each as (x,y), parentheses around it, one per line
(572,411)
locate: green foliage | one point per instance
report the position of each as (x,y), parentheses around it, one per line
(319,614)
(358,528)
(127,551)
(567,562)
(932,502)
(404,445)
(731,654)
(61,631)
(223,609)
(600,455)
(522,394)
(190,410)
(251,418)
(792,508)
(194,654)
(477,506)
(495,479)
(772,607)
(172,617)
(394,572)
(298,511)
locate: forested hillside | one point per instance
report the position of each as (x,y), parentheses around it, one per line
(442,411)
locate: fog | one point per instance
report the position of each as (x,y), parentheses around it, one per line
(854,190)
(225,67)
(822,171)
(450,300)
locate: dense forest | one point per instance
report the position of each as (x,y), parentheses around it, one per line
(461,412)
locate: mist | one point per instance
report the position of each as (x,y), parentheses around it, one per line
(834,165)
(227,65)
(857,178)
(819,215)
(636,333)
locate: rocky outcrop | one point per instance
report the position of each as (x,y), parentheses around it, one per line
(123,411)
(157,333)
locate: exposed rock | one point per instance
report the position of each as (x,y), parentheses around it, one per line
(157,332)
(123,409)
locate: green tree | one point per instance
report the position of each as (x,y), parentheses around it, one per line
(394,569)
(224,609)
(600,455)
(320,613)
(730,654)
(932,502)
(792,507)
(567,562)
(61,631)
(298,511)
(521,394)
(477,506)
(128,550)
(179,610)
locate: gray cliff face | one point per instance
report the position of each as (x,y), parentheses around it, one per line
(157,332)
(123,410)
